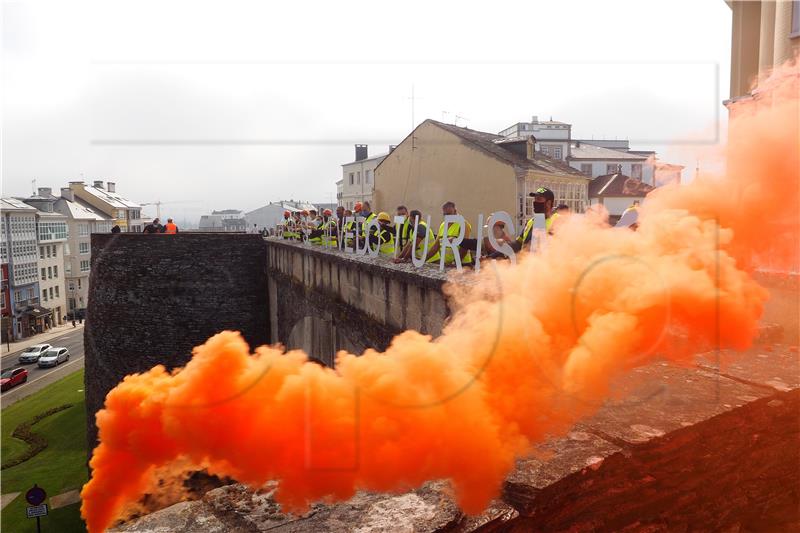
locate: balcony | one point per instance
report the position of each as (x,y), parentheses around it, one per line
(24,304)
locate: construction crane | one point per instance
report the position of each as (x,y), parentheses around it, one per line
(158,204)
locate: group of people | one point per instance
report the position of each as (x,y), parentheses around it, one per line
(400,239)
(155,226)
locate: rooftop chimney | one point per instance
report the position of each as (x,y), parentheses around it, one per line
(45,191)
(392,147)
(67,194)
(534,119)
(98,184)
(361,152)
(111,186)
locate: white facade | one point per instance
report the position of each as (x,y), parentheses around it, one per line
(629,168)
(82,221)
(358,178)
(19,252)
(52,230)
(552,136)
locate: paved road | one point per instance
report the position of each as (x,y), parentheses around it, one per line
(41,377)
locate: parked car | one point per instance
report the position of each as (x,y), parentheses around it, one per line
(32,354)
(53,357)
(12,378)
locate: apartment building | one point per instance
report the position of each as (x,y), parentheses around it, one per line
(82,220)
(104,198)
(51,231)
(358,177)
(19,257)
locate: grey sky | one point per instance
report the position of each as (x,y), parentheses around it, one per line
(289,89)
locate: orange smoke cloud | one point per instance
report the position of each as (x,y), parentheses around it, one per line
(529,350)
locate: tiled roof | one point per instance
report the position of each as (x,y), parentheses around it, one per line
(15,204)
(379,156)
(618,185)
(493,145)
(111,198)
(591,152)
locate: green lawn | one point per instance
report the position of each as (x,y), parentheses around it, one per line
(59,467)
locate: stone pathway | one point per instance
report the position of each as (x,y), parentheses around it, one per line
(67,498)
(7,498)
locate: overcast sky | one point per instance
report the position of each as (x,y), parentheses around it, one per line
(234,104)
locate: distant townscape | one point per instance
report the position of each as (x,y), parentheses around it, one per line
(46,250)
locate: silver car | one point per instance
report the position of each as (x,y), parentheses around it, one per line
(53,357)
(32,354)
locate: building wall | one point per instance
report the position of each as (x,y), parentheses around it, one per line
(154,298)
(761,38)
(442,167)
(52,285)
(600,168)
(363,184)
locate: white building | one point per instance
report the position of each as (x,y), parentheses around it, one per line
(592,157)
(271,214)
(19,255)
(358,177)
(51,229)
(226,220)
(105,199)
(597,161)
(553,137)
(82,221)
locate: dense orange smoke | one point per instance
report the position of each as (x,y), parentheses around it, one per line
(529,350)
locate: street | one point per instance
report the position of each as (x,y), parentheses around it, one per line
(41,377)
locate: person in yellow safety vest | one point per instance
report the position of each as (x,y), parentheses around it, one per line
(406,228)
(418,247)
(449,208)
(347,227)
(170,228)
(288,226)
(383,238)
(326,234)
(543,200)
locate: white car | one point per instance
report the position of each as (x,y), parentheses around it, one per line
(32,354)
(53,357)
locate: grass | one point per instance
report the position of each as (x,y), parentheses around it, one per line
(58,468)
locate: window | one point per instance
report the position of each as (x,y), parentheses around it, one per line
(55,271)
(84,268)
(79,283)
(44,275)
(51,293)
(545,150)
(57,295)
(30,293)
(352,178)
(557,152)
(41,252)
(636,171)
(66,248)
(611,168)
(586,168)
(48,251)
(50,272)
(83,230)
(358,178)
(71,304)
(795,31)
(72,285)
(83,247)
(367,176)
(68,268)
(44,295)
(55,251)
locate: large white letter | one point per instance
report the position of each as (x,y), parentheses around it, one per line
(505,249)
(421,261)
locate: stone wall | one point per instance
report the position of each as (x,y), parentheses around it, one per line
(155,297)
(326,300)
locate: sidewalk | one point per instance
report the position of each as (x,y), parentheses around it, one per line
(41,338)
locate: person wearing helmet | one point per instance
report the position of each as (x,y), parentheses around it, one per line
(383,238)
(326,234)
(416,243)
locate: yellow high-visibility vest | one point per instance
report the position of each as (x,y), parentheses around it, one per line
(452,231)
(429,236)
